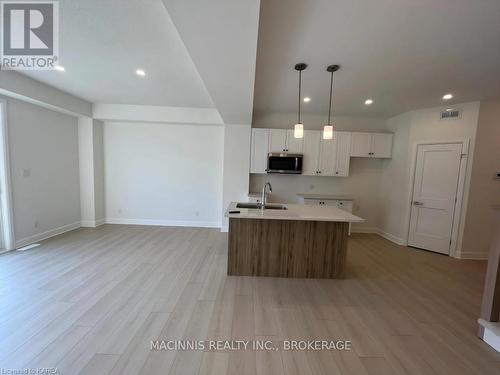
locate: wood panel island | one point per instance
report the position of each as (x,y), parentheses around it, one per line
(300,241)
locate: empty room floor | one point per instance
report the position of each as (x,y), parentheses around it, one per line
(92,300)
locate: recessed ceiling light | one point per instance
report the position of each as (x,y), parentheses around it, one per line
(447,97)
(59,68)
(307,99)
(369,101)
(140,72)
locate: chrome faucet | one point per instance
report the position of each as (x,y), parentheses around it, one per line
(264,194)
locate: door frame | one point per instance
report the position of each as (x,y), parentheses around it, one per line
(457,214)
(7,213)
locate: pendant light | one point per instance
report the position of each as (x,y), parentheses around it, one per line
(328,129)
(298,129)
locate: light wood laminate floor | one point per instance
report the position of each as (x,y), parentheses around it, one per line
(90,301)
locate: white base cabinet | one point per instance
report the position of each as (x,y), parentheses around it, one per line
(343,204)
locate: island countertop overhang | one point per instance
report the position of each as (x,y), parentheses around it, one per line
(298,212)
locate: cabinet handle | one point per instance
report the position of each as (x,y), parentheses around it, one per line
(336,172)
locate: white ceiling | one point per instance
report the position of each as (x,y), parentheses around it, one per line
(405,54)
(103,42)
(221,37)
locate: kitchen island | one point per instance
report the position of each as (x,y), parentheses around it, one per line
(299,241)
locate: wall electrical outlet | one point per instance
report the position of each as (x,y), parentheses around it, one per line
(25,172)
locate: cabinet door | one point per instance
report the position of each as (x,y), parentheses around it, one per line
(277,140)
(328,156)
(293,145)
(361,144)
(259,150)
(343,154)
(310,150)
(382,145)
(345,205)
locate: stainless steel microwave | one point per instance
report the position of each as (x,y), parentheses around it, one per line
(284,163)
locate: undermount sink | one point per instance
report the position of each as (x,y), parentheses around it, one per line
(257,206)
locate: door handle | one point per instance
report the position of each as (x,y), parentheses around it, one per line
(417,203)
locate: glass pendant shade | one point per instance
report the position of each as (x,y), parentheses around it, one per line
(328,132)
(298,131)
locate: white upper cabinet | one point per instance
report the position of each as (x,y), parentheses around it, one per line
(293,145)
(361,144)
(343,153)
(310,150)
(371,145)
(382,145)
(321,157)
(259,150)
(282,140)
(327,157)
(277,140)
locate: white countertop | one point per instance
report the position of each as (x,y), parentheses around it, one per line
(295,212)
(326,196)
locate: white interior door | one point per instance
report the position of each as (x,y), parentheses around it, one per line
(434,195)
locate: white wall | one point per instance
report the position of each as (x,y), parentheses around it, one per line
(484,188)
(163,174)
(99,173)
(45,144)
(411,128)
(91,160)
(236,166)
(394,180)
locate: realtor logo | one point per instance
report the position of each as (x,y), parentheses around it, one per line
(30,35)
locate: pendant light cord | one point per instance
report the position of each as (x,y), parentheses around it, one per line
(300,88)
(331,94)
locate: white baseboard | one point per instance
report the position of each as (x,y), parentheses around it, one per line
(165,223)
(387,236)
(93,223)
(392,238)
(44,235)
(491,334)
(472,255)
(355,229)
